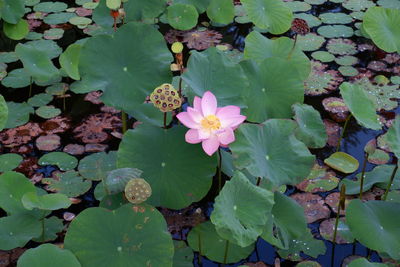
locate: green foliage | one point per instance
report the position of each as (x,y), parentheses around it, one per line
(221,11)
(9,161)
(12,11)
(18,114)
(69,61)
(342,162)
(393,137)
(362,262)
(3,113)
(69,183)
(16,31)
(31,200)
(48,255)
(97,166)
(182,16)
(63,161)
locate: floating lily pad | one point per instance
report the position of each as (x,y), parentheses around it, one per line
(342,162)
(271,150)
(321,81)
(393,137)
(97,166)
(58,18)
(335,18)
(8,57)
(357,5)
(48,112)
(346,60)
(12,10)
(312,21)
(323,56)
(133,235)
(57,89)
(213,246)
(9,161)
(319,180)
(49,7)
(116,180)
(313,205)
(16,31)
(50,227)
(48,142)
(335,31)
(183,256)
(40,100)
(63,161)
(232,217)
(348,71)
(80,22)
(53,34)
(32,200)
(221,11)
(310,42)
(365,263)
(18,114)
(336,107)
(46,255)
(379,157)
(297,6)
(182,16)
(374,224)
(69,183)
(341,46)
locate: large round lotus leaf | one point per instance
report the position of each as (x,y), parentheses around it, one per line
(213,70)
(3,112)
(362,262)
(117,179)
(18,114)
(221,11)
(272,15)
(36,62)
(270,150)
(50,227)
(393,137)
(287,222)
(49,7)
(342,162)
(382,25)
(376,225)
(69,183)
(311,129)
(183,255)
(17,78)
(136,60)
(97,166)
(16,230)
(9,161)
(55,201)
(12,10)
(48,255)
(16,31)
(241,210)
(182,16)
(360,105)
(258,48)
(13,186)
(178,173)
(274,88)
(63,161)
(133,235)
(213,246)
(69,61)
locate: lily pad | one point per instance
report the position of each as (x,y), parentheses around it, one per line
(18,114)
(360,105)
(182,16)
(40,100)
(68,183)
(167,170)
(50,227)
(346,60)
(213,246)
(47,255)
(63,161)
(357,5)
(48,112)
(58,18)
(241,210)
(348,71)
(341,46)
(362,262)
(117,179)
(335,18)
(310,42)
(9,161)
(69,61)
(12,10)
(97,166)
(323,56)
(16,31)
(49,7)
(320,179)
(270,150)
(342,162)
(221,11)
(17,78)
(133,235)
(374,224)
(379,157)
(55,201)
(335,31)
(183,256)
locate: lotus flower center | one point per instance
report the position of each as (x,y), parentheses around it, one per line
(211,122)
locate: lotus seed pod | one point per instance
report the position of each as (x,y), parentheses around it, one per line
(137,190)
(177,47)
(165,98)
(300,26)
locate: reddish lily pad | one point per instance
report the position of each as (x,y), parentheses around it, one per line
(320,179)
(314,206)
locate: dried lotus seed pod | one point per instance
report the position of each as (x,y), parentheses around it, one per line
(137,190)
(165,98)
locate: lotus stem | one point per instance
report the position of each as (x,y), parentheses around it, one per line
(362,174)
(124,122)
(390,182)
(340,207)
(165,120)
(342,134)
(293,47)
(226,252)
(219,170)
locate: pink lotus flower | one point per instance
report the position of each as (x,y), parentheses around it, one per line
(209,124)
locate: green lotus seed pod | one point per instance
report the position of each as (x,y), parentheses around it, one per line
(177,47)
(165,98)
(137,190)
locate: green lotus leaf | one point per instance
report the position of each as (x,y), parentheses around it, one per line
(148,113)
(360,105)
(80,22)
(382,25)
(183,256)
(48,255)
(375,225)
(285,223)
(58,18)
(17,78)
(308,264)
(342,162)
(311,129)
(97,166)
(13,186)
(241,210)
(113,4)
(259,48)
(335,18)
(9,161)
(16,230)
(274,88)
(312,21)
(213,246)
(16,31)
(270,150)
(55,201)
(214,70)
(112,202)
(53,34)
(299,6)
(272,15)
(126,59)
(69,183)
(221,11)
(167,161)
(310,42)
(50,227)
(117,179)
(393,137)
(63,161)
(69,61)
(335,31)
(40,100)
(201,6)
(49,7)
(18,114)
(182,16)
(50,47)
(319,180)
(348,71)
(133,235)
(3,112)
(357,5)
(393,196)
(362,262)
(8,57)
(12,10)
(48,112)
